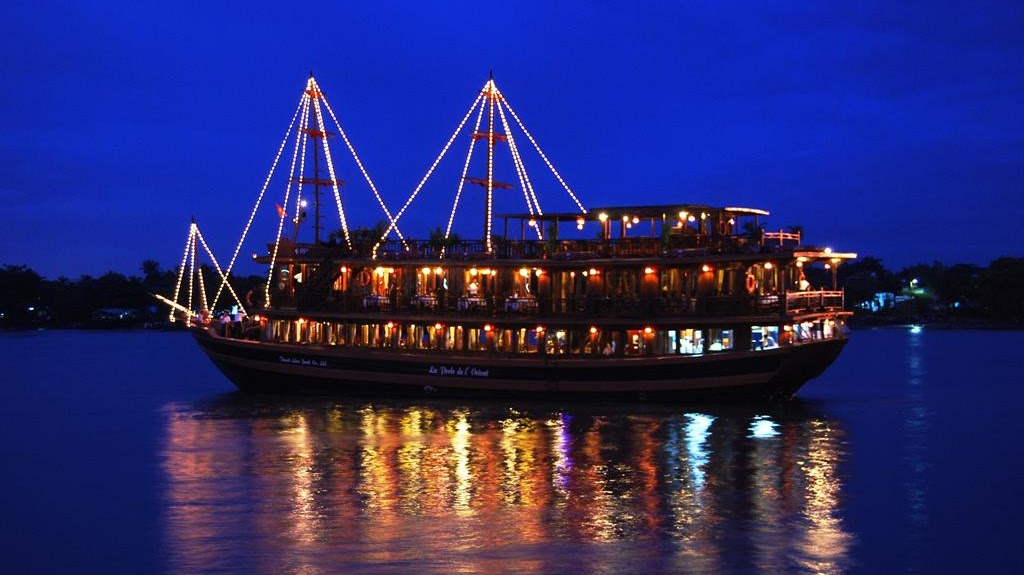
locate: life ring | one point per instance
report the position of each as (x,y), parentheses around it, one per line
(751,284)
(364,277)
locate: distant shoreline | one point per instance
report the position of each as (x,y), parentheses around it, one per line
(974,323)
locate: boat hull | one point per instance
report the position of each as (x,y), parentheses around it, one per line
(289,368)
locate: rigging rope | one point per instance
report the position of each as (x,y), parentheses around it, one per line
(429,172)
(304,106)
(259,200)
(330,169)
(462,179)
(359,163)
(543,156)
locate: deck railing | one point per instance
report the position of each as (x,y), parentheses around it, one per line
(672,246)
(814,301)
(490,306)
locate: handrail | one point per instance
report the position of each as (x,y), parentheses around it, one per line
(815,300)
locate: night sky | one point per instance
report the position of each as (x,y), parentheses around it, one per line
(891,129)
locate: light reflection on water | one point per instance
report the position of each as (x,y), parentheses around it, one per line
(318,486)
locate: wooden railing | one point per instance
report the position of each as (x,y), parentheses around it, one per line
(814,300)
(781,237)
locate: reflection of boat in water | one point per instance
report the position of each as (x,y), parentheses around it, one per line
(680,299)
(456,488)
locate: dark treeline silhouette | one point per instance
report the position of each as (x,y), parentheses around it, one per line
(938,292)
(29,300)
(924,292)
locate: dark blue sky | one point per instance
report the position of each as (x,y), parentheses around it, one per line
(889,129)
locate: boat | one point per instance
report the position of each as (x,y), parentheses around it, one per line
(673,301)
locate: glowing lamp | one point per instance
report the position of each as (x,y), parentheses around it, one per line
(625,218)
(593,329)
(767,265)
(379,271)
(488,327)
(594,271)
(799,264)
(828,250)
(438,271)
(391,324)
(473,272)
(532,222)
(683,214)
(705,268)
(828,266)
(538,271)
(524,272)
(540,329)
(579,222)
(438,325)
(648,330)
(603,217)
(648,270)
(344,269)
(636,220)
(426,271)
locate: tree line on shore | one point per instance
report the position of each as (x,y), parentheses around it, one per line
(29,300)
(927,292)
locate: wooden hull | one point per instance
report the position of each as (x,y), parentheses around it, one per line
(290,368)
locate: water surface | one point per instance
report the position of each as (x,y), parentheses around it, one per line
(129,452)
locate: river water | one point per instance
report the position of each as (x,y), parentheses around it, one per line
(128,452)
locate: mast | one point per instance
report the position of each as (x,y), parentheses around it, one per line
(316,189)
(490,163)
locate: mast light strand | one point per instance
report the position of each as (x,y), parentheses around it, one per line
(263,190)
(330,171)
(182,268)
(465,170)
(281,217)
(359,163)
(429,172)
(544,157)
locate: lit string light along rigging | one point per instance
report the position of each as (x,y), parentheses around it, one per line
(491,98)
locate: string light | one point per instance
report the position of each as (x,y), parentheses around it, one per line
(465,170)
(216,266)
(532,203)
(430,171)
(490,166)
(263,190)
(543,156)
(330,170)
(359,164)
(287,191)
(181,268)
